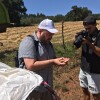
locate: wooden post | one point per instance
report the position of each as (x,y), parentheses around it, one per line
(63,34)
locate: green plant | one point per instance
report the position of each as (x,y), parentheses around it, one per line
(69,50)
(61,86)
(7,57)
(65,88)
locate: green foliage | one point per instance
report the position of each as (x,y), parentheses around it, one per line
(4,17)
(26,21)
(32,19)
(97,16)
(16,9)
(65,88)
(61,86)
(7,57)
(58,18)
(69,50)
(17,14)
(77,13)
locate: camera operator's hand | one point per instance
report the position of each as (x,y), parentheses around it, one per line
(85,41)
(79,33)
(76,35)
(61,61)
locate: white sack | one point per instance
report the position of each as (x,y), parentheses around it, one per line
(17,83)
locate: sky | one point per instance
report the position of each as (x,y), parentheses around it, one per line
(55,7)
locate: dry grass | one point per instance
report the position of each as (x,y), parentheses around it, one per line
(12,37)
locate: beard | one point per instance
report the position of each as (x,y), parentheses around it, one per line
(44,40)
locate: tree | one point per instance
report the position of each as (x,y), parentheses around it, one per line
(16,10)
(85,12)
(58,18)
(77,13)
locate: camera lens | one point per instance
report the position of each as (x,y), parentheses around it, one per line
(78,41)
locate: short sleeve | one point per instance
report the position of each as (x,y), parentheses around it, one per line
(27,49)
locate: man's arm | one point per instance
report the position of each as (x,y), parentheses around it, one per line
(32,64)
(95,49)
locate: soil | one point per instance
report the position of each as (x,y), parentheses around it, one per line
(71,82)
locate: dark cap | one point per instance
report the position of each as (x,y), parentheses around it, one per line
(89,20)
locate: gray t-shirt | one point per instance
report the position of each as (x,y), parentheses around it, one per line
(27,49)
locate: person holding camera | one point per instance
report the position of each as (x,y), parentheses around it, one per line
(89,75)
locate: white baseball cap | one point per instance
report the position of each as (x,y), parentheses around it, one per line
(48,25)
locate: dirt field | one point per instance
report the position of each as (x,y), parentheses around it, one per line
(72,91)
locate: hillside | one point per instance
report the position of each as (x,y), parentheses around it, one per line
(66,81)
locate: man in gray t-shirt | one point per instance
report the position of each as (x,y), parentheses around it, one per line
(41,61)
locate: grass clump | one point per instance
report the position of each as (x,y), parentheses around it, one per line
(66,51)
(7,57)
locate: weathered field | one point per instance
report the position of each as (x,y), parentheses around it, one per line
(12,37)
(66,80)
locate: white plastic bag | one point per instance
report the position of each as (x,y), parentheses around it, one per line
(17,83)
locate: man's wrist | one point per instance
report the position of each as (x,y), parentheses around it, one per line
(51,61)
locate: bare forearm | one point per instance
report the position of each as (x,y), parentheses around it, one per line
(42,64)
(32,64)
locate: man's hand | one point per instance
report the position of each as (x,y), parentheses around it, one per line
(85,41)
(61,61)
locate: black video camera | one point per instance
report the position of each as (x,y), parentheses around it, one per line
(79,38)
